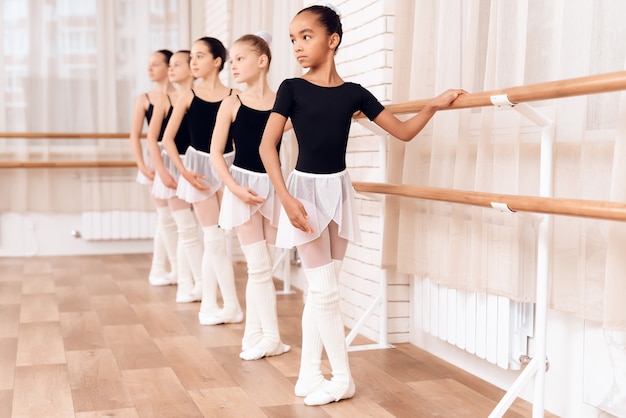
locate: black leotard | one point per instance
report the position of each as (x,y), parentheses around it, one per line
(247,131)
(150,110)
(182,139)
(201,121)
(321,118)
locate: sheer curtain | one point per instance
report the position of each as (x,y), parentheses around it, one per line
(484,45)
(77,66)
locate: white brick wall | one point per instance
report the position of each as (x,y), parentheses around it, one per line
(365,56)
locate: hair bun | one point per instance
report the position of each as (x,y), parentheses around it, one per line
(265,35)
(333,8)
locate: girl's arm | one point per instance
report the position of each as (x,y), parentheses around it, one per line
(407,130)
(139,113)
(225,117)
(269,155)
(180,108)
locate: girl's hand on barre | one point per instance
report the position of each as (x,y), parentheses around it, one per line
(446,98)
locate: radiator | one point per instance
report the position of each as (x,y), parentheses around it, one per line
(118,225)
(491,327)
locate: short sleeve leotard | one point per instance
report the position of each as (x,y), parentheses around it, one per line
(321,118)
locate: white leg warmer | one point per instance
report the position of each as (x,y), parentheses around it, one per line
(158,267)
(217,260)
(261,335)
(324,298)
(310,377)
(190,254)
(168,234)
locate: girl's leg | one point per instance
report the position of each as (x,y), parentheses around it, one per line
(189,252)
(217,269)
(322,324)
(165,242)
(261,336)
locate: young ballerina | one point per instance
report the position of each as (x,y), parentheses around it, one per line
(199,184)
(317,213)
(249,204)
(164,244)
(189,247)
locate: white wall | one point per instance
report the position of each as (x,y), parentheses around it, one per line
(49,234)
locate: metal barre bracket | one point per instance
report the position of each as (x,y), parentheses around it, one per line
(501,100)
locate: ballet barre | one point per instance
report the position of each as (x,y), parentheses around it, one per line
(545,204)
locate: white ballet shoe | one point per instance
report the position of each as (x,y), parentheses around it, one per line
(165,280)
(302,390)
(206,319)
(256,353)
(322,398)
(253,353)
(188,297)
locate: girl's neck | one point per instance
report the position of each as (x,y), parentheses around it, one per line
(211,82)
(324,75)
(186,84)
(258,87)
(164,87)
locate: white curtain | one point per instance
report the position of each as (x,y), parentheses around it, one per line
(483,45)
(77,66)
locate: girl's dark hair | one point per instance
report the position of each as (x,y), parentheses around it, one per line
(258,44)
(186,52)
(167,54)
(216,48)
(328,18)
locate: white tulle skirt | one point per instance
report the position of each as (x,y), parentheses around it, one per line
(234,212)
(141,178)
(160,190)
(326,198)
(200,162)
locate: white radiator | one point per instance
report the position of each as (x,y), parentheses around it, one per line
(118,225)
(493,328)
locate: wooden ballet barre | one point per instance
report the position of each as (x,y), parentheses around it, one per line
(613,211)
(64,135)
(66,164)
(602,83)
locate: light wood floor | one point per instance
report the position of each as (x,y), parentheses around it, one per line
(89,337)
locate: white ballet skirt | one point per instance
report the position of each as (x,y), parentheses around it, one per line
(200,162)
(141,178)
(234,212)
(326,198)
(160,190)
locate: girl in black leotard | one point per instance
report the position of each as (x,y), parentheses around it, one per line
(317,215)
(199,184)
(249,204)
(164,247)
(166,175)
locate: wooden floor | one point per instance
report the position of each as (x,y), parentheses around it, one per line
(89,337)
